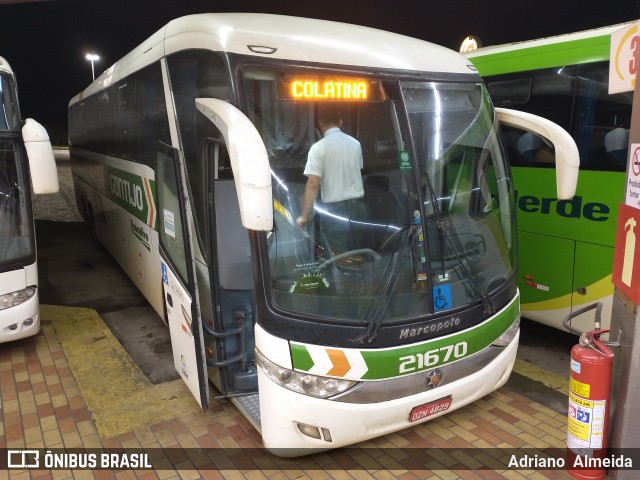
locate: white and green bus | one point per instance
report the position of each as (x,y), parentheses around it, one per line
(26,165)
(565,247)
(188,157)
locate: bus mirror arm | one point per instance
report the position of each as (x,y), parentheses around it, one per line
(42,164)
(566,150)
(249,162)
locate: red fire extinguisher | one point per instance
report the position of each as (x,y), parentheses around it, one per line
(589,405)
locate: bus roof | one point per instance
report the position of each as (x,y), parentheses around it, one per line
(5,67)
(290,38)
(569,49)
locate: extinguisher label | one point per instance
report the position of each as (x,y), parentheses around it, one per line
(585,422)
(575,366)
(579,388)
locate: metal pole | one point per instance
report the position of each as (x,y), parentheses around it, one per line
(624,431)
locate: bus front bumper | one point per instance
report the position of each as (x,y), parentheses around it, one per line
(20,321)
(285,415)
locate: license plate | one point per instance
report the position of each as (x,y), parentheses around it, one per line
(431,408)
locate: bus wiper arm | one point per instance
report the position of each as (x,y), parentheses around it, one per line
(464,264)
(445,229)
(388,285)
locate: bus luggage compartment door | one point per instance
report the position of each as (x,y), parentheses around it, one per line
(545,277)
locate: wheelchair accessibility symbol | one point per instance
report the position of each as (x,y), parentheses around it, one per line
(441,297)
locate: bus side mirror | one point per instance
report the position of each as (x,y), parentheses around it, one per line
(566,150)
(249,162)
(42,164)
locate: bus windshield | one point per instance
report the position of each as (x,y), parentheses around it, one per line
(9,113)
(16,228)
(428,226)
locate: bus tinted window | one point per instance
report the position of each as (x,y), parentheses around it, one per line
(197,74)
(138,118)
(16,239)
(575,97)
(9,113)
(602,121)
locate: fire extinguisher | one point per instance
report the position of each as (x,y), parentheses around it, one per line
(589,401)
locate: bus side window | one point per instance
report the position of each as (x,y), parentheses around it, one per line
(223,164)
(533,150)
(616,144)
(196,74)
(601,120)
(510,93)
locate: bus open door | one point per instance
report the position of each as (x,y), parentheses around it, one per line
(178,273)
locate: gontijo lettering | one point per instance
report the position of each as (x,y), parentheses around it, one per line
(126,191)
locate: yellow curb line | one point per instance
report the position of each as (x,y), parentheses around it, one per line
(547,378)
(116,392)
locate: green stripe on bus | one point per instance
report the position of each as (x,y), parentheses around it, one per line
(128,191)
(405,360)
(301,358)
(573,52)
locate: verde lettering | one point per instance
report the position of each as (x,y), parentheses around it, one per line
(573,208)
(126,191)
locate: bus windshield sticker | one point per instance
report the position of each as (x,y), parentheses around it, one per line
(310,282)
(169,223)
(404,160)
(442,297)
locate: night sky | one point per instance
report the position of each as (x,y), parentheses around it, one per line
(46,41)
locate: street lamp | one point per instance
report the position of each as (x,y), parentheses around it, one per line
(92,57)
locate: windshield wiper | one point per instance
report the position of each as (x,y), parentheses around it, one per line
(388,284)
(445,229)
(464,265)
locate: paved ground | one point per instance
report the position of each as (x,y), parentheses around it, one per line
(60,389)
(75,386)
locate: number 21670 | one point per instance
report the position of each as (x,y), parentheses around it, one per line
(431,358)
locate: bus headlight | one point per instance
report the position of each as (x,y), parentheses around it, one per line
(16,298)
(313,385)
(508,335)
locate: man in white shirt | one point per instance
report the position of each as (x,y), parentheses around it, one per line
(333,170)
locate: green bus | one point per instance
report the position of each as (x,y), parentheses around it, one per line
(565,247)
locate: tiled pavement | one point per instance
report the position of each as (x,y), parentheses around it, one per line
(45,404)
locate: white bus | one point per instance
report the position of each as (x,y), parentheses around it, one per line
(188,157)
(20,143)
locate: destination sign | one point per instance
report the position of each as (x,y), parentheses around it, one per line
(329,88)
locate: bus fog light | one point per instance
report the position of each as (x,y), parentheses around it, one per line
(309,430)
(16,298)
(509,334)
(313,385)
(28,322)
